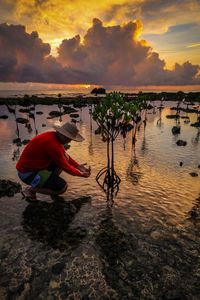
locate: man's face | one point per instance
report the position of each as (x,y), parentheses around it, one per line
(67,140)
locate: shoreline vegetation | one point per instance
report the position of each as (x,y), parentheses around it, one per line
(94,99)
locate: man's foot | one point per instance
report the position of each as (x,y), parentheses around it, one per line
(29,195)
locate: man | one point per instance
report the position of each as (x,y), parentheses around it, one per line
(44,158)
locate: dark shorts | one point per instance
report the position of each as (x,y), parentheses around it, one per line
(44,179)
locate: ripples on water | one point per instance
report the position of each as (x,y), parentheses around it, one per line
(145,247)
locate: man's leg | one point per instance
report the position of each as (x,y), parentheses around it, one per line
(47,191)
(53,186)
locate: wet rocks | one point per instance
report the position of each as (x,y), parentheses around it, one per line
(176,129)
(24,110)
(3,117)
(22,120)
(55,113)
(69,110)
(9,188)
(196,124)
(19,142)
(181,143)
(74,115)
(57,268)
(39,113)
(193,174)
(172,116)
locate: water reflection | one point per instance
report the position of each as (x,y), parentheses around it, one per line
(49,223)
(133,172)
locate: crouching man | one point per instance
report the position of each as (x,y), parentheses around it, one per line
(45,157)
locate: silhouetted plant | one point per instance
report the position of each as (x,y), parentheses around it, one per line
(113,116)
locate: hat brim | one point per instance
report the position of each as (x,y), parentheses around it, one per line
(77,138)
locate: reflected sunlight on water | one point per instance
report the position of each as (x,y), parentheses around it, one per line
(148,226)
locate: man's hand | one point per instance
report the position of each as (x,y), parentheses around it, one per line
(85,172)
(82,168)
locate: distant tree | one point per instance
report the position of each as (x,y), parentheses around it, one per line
(97,91)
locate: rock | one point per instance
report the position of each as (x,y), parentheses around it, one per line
(193,174)
(17,140)
(3,117)
(181,143)
(172,116)
(74,121)
(181,163)
(196,124)
(22,120)
(176,129)
(9,188)
(57,268)
(69,110)
(185,117)
(24,110)
(25,142)
(74,115)
(55,113)
(98,130)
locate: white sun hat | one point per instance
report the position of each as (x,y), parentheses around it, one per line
(69,130)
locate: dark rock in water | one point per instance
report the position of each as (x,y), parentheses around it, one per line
(181,143)
(98,130)
(181,163)
(55,113)
(22,120)
(190,110)
(39,113)
(74,115)
(69,110)
(3,117)
(150,106)
(193,174)
(44,125)
(172,116)
(185,117)
(57,268)
(196,124)
(9,188)
(176,129)
(31,115)
(17,140)
(25,142)
(98,91)
(24,110)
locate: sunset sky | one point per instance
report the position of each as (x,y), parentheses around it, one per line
(130,43)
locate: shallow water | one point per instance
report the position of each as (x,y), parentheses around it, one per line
(146,246)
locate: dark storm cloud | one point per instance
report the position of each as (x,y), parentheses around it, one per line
(116,57)
(107,55)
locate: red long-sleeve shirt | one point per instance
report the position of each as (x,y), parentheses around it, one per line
(44,149)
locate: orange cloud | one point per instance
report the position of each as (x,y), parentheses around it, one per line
(110,55)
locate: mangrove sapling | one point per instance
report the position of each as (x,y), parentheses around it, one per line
(110,116)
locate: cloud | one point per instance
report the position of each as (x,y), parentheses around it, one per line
(109,55)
